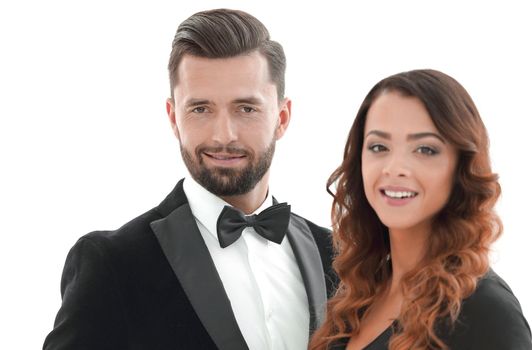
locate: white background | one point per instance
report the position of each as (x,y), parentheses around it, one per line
(85,143)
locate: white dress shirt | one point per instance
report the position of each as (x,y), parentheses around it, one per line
(261,278)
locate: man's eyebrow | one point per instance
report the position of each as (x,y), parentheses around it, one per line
(200,101)
(196,102)
(250,100)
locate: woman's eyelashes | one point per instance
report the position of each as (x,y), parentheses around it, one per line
(426,150)
(377,147)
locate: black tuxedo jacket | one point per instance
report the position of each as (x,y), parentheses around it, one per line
(152,284)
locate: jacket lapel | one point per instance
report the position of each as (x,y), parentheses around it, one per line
(190,260)
(309,261)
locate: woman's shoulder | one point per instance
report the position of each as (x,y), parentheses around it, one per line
(493,292)
(493,297)
(492,316)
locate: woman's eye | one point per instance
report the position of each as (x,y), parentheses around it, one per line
(429,151)
(377,148)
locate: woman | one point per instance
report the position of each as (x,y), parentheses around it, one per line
(413,222)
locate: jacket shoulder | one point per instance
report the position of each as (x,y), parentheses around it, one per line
(138,229)
(133,229)
(323,238)
(314,228)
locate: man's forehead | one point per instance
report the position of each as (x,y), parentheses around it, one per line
(251,66)
(236,78)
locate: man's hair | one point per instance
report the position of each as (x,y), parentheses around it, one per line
(224,33)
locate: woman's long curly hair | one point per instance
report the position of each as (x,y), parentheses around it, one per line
(462,232)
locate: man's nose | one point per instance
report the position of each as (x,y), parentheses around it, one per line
(224,128)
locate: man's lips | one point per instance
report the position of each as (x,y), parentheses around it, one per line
(224,156)
(224,159)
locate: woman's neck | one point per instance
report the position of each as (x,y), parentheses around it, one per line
(407,249)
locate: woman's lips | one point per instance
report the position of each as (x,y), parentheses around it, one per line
(398,196)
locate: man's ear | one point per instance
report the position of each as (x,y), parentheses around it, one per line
(285,112)
(170,110)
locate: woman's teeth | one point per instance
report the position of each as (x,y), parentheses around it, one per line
(399,194)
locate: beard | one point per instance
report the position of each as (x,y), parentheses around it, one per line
(223,181)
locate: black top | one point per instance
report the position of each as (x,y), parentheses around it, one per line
(490,319)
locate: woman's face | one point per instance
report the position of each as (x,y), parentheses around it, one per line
(407,166)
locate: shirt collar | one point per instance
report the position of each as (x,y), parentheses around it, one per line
(206,207)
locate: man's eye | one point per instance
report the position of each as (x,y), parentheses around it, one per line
(429,151)
(199,110)
(247,109)
(377,148)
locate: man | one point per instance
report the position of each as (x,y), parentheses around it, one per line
(195,272)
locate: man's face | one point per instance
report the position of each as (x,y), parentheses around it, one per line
(227,117)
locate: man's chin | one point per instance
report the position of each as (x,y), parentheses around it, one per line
(225,173)
(225,186)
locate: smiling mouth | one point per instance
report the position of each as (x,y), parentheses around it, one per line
(224,156)
(399,194)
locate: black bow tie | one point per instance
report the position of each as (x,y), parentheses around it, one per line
(271,223)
